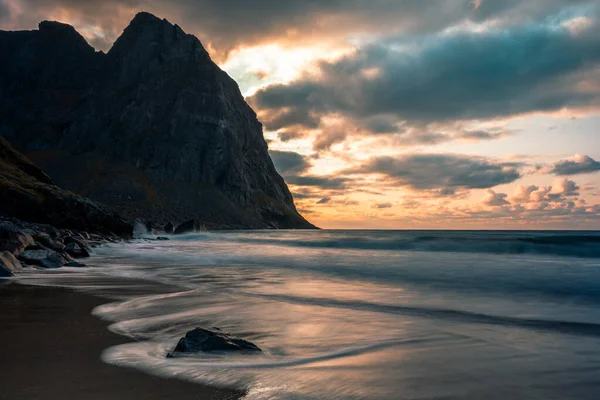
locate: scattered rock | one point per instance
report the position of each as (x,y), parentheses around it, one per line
(35,256)
(193,225)
(209,340)
(11,239)
(48,230)
(169,228)
(162,238)
(52,261)
(8,264)
(43,258)
(49,243)
(72,239)
(75,250)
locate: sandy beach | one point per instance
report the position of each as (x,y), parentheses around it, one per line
(51,347)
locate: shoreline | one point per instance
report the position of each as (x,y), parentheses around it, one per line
(51,348)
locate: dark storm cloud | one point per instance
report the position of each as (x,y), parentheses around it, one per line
(293,167)
(324,200)
(287,162)
(227,24)
(289,117)
(452,76)
(440,171)
(581,165)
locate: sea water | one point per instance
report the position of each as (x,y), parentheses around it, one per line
(360,314)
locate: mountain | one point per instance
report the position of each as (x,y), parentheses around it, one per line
(153,128)
(27,193)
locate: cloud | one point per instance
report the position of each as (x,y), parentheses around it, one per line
(287,136)
(446,172)
(287,162)
(324,200)
(580,164)
(494,199)
(293,167)
(322,182)
(561,191)
(567,187)
(477,135)
(227,24)
(326,139)
(382,205)
(458,75)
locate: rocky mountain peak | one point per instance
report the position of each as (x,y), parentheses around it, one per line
(52,31)
(149,41)
(153,128)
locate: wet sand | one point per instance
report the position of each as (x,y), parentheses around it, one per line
(50,347)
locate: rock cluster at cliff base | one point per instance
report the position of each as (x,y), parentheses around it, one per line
(211,340)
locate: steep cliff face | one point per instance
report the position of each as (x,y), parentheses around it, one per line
(153,128)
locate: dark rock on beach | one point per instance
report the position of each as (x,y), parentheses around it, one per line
(13,240)
(153,128)
(76,250)
(43,258)
(18,250)
(77,241)
(53,261)
(211,340)
(49,243)
(9,264)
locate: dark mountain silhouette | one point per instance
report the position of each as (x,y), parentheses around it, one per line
(153,128)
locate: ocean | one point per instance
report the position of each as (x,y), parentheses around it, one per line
(360,314)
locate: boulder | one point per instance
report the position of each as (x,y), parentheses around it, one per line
(74,250)
(49,243)
(72,239)
(44,258)
(52,261)
(169,228)
(11,239)
(34,257)
(193,225)
(211,340)
(8,264)
(162,238)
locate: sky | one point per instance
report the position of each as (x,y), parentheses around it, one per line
(402,114)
